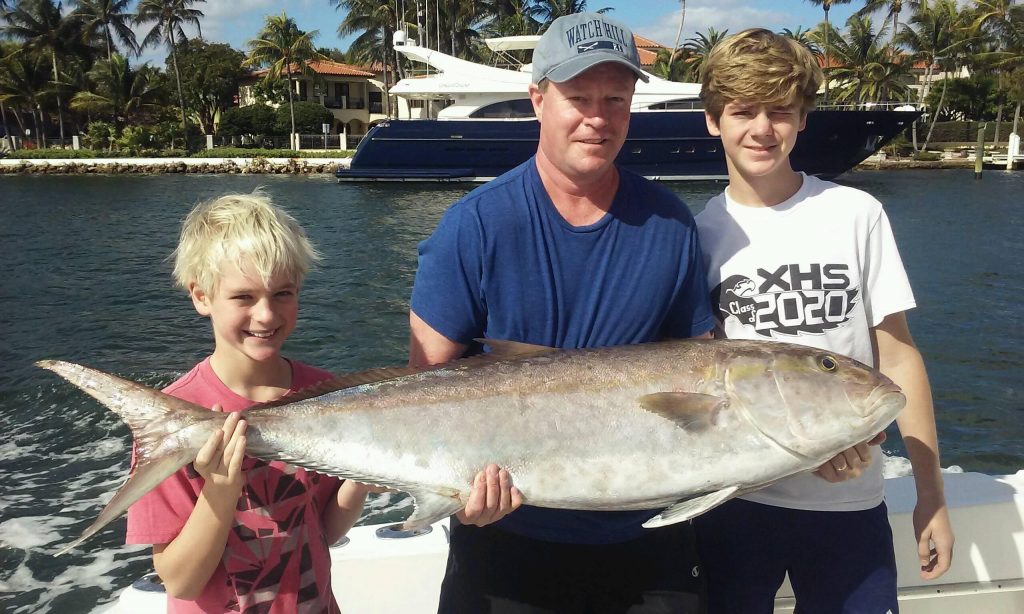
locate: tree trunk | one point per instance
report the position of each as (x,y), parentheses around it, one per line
(387,96)
(8,143)
(177,78)
(291,106)
(1016,118)
(679,35)
(35,120)
(17,117)
(106,29)
(824,68)
(999,120)
(60,113)
(938,109)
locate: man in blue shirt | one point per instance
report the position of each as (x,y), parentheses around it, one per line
(566,250)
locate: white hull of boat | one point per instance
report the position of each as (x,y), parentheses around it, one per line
(403,575)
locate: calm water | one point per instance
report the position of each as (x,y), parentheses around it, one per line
(87,280)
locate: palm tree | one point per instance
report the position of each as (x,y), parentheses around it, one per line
(700,46)
(673,66)
(508,17)
(805,38)
(119,91)
(826,5)
(936,35)
(892,9)
(866,72)
(285,49)
(104,18)
(376,21)
(24,84)
(550,10)
(169,18)
(41,25)
(996,18)
(461,20)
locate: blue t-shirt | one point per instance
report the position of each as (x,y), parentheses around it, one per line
(504,264)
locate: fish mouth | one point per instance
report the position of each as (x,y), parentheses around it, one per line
(886,398)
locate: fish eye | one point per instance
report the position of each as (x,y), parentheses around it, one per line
(828,363)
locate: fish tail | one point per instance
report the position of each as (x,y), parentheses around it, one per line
(168,433)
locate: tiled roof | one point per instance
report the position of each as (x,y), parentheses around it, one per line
(322,67)
(647,57)
(645,43)
(647,49)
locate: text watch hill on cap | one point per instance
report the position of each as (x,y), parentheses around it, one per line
(577,42)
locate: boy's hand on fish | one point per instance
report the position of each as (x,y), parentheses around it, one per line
(220,459)
(850,463)
(492,498)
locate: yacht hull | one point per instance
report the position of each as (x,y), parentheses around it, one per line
(661,145)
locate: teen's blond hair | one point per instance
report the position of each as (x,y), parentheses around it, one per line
(239,230)
(759,66)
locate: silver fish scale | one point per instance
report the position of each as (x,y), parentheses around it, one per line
(569,427)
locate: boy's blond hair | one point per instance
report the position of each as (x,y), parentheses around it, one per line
(240,230)
(759,66)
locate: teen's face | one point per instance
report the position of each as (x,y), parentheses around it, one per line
(250,319)
(758,138)
(584,121)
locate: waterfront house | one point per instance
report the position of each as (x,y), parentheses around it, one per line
(352,94)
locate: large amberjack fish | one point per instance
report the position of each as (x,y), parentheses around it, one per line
(680,426)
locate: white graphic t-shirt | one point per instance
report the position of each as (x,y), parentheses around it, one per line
(819,269)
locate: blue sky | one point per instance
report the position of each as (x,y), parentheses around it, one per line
(236,21)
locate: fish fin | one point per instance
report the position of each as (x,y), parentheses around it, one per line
(144,477)
(501,348)
(692,507)
(692,411)
(155,420)
(429,506)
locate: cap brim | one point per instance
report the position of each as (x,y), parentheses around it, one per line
(574,67)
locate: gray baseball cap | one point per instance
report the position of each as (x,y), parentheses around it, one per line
(577,42)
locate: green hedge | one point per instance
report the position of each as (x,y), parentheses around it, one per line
(243,152)
(43,154)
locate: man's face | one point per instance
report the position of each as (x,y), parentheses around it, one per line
(584,121)
(758,137)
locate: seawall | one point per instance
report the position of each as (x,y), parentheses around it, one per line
(142,166)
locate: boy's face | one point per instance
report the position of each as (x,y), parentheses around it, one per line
(758,137)
(251,320)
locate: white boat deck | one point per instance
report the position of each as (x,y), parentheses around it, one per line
(392,576)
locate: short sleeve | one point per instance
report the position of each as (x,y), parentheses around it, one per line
(691,313)
(159,516)
(447,291)
(887,289)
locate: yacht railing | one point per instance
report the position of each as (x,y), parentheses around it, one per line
(872,106)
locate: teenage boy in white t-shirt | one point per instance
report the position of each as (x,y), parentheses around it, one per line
(797,259)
